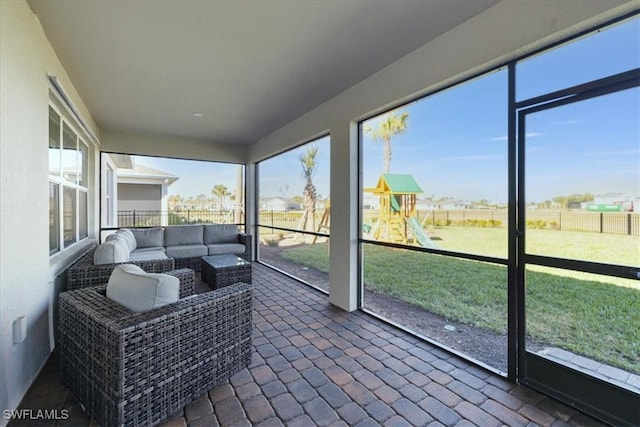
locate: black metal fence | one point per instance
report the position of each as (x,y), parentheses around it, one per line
(623,223)
(139,218)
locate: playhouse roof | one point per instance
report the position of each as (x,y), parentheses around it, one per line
(394,183)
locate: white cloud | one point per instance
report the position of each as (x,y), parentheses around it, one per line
(505,138)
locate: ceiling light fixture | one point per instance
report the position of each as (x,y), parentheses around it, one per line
(197,114)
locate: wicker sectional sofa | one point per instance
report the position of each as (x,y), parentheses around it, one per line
(135,369)
(157,250)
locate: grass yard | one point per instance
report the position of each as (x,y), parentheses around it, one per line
(578,312)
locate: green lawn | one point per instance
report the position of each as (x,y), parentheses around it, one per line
(572,311)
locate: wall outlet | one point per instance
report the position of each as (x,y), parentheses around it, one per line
(19,329)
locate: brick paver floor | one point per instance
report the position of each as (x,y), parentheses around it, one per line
(315,364)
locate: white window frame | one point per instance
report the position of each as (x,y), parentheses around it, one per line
(57,178)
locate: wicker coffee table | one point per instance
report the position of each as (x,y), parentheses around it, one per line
(223,270)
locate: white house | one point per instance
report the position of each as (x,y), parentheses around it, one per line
(128,186)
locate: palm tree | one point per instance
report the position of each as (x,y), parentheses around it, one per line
(392,124)
(174,202)
(201,200)
(220,192)
(309,165)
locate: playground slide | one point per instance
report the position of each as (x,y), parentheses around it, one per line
(422,238)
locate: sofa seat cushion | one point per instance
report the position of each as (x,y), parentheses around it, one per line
(148,237)
(220,233)
(137,290)
(180,235)
(146,255)
(225,248)
(113,251)
(150,249)
(186,251)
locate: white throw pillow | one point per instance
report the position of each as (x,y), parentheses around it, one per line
(138,290)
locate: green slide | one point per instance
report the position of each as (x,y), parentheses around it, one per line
(419,234)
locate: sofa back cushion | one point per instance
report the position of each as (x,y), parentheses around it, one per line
(129,238)
(137,290)
(220,233)
(177,235)
(115,250)
(148,237)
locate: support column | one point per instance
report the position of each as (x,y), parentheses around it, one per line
(343,245)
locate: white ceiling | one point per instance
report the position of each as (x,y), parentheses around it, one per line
(249,67)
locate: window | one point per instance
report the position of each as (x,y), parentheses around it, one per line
(599,54)
(435,179)
(457,204)
(294,212)
(68,183)
(109,203)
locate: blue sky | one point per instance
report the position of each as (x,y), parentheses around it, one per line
(196,177)
(456,141)
(281,175)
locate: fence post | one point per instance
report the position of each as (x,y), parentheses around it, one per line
(601,222)
(559,220)
(629,224)
(134,218)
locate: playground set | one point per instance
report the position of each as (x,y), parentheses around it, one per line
(398,220)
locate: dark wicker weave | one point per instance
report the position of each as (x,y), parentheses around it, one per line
(130,369)
(194,262)
(219,276)
(245,239)
(187,281)
(84,273)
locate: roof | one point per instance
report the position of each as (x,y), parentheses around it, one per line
(138,172)
(393,183)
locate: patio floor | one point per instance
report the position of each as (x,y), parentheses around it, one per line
(315,364)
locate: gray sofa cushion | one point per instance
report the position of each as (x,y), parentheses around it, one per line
(138,290)
(147,255)
(226,248)
(220,233)
(113,251)
(186,251)
(151,249)
(129,238)
(148,237)
(183,235)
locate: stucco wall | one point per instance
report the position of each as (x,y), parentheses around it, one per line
(141,197)
(27,274)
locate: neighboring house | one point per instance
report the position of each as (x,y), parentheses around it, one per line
(278,204)
(605,202)
(447,205)
(127,186)
(370,201)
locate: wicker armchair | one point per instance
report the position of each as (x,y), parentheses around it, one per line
(84,273)
(130,369)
